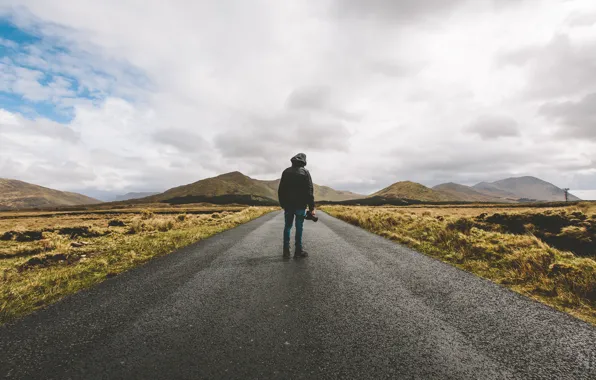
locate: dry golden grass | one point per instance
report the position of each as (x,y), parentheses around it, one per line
(44,257)
(119,208)
(545,253)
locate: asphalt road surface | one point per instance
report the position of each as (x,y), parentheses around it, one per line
(359,307)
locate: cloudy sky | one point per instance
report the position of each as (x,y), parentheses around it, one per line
(125,95)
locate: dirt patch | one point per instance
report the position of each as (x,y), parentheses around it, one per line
(116,223)
(79,244)
(22,236)
(43,261)
(74,232)
(566,231)
(516,223)
(46,260)
(462,225)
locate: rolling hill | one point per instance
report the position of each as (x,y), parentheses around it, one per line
(412,190)
(15,194)
(134,195)
(326,193)
(489,189)
(232,187)
(526,188)
(236,187)
(465,193)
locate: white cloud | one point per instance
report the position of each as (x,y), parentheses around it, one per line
(578,119)
(27,83)
(27,130)
(376,92)
(8,43)
(557,69)
(494,126)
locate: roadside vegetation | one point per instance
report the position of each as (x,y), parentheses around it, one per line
(548,254)
(45,256)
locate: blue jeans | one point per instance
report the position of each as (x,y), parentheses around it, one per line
(289,215)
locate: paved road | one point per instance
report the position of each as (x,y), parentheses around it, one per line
(360,307)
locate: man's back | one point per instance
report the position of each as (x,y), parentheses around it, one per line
(296,188)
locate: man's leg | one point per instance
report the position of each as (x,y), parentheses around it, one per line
(289,220)
(300,215)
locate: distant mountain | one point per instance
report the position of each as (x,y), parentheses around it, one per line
(322,193)
(509,190)
(494,191)
(414,191)
(529,188)
(465,193)
(236,187)
(15,194)
(134,195)
(325,193)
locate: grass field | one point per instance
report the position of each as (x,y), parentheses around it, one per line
(46,255)
(548,253)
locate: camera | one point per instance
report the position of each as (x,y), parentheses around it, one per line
(310,216)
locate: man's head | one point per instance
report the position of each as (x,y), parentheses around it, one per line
(299,160)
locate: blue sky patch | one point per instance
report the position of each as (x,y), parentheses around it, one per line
(17,104)
(14,100)
(68,75)
(11,32)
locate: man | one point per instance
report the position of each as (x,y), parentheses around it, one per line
(295,194)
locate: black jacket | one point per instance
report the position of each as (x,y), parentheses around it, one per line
(295,188)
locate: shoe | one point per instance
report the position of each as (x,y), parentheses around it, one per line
(286,253)
(300,254)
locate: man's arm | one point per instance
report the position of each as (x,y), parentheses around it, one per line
(311,193)
(282,190)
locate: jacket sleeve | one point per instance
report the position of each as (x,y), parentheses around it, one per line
(282,190)
(311,193)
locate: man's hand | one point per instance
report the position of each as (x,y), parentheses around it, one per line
(313,212)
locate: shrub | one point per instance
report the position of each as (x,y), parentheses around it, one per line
(578,277)
(48,244)
(137,225)
(165,225)
(531,263)
(146,214)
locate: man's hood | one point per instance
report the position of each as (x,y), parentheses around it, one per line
(299,160)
